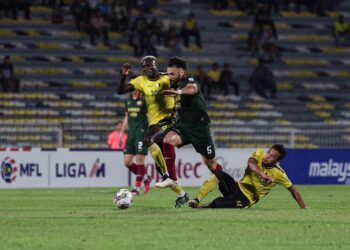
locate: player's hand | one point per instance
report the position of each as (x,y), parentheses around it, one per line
(193,203)
(267,179)
(170,92)
(126,70)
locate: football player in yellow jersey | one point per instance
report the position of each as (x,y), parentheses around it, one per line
(160,115)
(262,174)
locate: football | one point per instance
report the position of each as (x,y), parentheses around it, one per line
(123,198)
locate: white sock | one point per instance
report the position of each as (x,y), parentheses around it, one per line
(182,194)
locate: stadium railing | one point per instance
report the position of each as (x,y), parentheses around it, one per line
(296,135)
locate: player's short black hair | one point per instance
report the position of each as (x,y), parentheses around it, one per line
(147,59)
(178,62)
(281,150)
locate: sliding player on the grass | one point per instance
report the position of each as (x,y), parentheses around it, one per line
(160,116)
(135,151)
(262,174)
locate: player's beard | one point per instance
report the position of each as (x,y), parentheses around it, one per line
(174,84)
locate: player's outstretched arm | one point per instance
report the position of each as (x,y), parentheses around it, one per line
(253,165)
(124,126)
(190,89)
(123,87)
(297,196)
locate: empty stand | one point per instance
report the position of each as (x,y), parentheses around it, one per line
(68,86)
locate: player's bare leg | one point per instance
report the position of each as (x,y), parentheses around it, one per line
(212,164)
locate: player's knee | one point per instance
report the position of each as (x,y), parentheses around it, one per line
(128,162)
(167,139)
(139,161)
(171,139)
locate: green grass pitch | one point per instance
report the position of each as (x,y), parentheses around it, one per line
(87,219)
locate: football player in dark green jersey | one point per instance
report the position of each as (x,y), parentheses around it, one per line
(135,151)
(192,124)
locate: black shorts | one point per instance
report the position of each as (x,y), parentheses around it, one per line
(157,132)
(232,194)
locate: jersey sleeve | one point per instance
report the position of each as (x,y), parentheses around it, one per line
(283,180)
(165,82)
(191,80)
(137,83)
(258,155)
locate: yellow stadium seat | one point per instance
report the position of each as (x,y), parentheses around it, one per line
(236,13)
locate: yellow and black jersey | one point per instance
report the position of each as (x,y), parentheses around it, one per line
(159,107)
(253,187)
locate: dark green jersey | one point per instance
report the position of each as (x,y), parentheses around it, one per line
(190,108)
(137,114)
